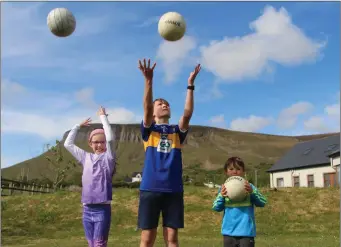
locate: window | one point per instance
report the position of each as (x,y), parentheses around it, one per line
(326,180)
(296,181)
(280,182)
(311,181)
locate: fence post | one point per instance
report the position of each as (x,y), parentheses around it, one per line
(32,190)
(10,188)
(24,189)
(41,189)
(256,178)
(47,188)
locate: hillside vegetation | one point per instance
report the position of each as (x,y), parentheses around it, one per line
(305,217)
(206,148)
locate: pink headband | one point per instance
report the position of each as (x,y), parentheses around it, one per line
(95,132)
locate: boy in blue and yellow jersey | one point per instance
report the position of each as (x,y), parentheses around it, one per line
(238,225)
(161,189)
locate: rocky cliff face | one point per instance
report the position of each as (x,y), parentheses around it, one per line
(131,133)
(205,146)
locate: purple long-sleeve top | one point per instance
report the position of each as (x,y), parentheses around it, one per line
(98,169)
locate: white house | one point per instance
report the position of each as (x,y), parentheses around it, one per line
(136,177)
(212,185)
(314,163)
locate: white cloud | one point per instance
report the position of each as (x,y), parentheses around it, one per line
(23,23)
(317,124)
(91,25)
(218,121)
(85,97)
(46,126)
(50,114)
(250,124)
(15,96)
(333,110)
(28,43)
(275,39)
(150,21)
(206,93)
(17,24)
(289,116)
(328,121)
(121,115)
(173,56)
(51,126)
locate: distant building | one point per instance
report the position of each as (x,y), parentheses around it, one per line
(212,185)
(136,177)
(314,163)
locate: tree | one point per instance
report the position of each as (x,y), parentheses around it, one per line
(56,164)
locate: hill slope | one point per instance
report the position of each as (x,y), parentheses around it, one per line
(207,147)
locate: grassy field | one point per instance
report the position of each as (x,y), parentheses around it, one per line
(293,218)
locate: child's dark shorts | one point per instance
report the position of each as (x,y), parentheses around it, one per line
(170,205)
(230,241)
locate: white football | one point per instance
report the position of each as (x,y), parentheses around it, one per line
(61,22)
(235,187)
(172,26)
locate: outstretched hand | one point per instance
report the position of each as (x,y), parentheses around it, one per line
(101,111)
(146,70)
(193,75)
(86,123)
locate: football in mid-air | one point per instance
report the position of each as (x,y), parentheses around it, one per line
(172,26)
(61,22)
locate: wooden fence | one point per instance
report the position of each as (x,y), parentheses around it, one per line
(9,187)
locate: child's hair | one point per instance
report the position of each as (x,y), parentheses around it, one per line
(235,162)
(95,132)
(162,100)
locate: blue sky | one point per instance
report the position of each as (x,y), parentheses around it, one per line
(270,67)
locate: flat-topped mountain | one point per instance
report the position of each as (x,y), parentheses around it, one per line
(208,147)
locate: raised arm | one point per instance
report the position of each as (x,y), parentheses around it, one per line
(109,135)
(147,72)
(189,103)
(69,143)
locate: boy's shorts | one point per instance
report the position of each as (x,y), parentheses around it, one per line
(171,205)
(231,241)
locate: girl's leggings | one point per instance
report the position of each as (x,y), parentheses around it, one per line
(96,223)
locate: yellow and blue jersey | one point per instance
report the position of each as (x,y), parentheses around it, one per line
(239,217)
(162,170)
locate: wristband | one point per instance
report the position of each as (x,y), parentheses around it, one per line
(190,87)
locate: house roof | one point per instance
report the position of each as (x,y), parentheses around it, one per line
(309,153)
(334,152)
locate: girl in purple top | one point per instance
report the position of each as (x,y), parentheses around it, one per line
(98,170)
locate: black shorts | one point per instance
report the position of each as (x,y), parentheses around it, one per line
(230,241)
(151,204)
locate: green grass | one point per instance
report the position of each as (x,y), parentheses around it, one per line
(293,218)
